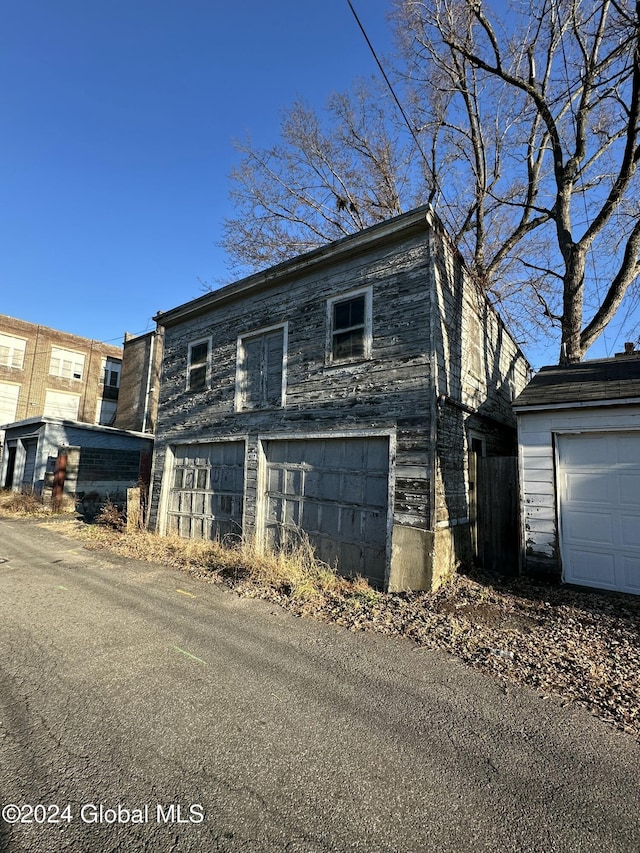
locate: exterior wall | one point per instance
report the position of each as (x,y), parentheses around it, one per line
(389,393)
(537,467)
(140,383)
(478,371)
(95,474)
(34,378)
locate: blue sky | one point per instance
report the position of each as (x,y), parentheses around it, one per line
(118,120)
(117,126)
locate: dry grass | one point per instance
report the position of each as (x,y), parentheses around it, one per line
(293,572)
(23,504)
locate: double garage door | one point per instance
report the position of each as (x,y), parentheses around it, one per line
(599,489)
(334,490)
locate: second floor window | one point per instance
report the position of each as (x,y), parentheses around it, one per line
(349,322)
(198,365)
(66,364)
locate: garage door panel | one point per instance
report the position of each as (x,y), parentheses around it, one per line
(631,572)
(376,491)
(352,489)
(375,528)
(588,527)
(630,531)
(351,524)
(588,451)
(329,486)
(588,487)
(293,482)
(627,450)
(629,488)
(340,487)
(329,518)
(310,517)
(593,568)
(599,508)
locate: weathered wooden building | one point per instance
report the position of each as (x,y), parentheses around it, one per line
(341,393)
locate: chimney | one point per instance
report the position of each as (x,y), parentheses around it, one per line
(629,349)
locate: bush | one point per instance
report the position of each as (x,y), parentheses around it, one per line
(113,516)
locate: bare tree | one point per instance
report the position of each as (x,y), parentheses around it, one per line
(324,180)
(529,129)
(542,107)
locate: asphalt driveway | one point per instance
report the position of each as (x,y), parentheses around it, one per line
(143,710)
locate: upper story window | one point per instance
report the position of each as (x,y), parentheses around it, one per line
(198,365)
(112,371)
(12,351)
(66,364)
(260,373)
(349,326)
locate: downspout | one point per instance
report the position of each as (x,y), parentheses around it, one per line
(147,389)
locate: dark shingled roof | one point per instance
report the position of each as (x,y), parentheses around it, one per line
(586,381)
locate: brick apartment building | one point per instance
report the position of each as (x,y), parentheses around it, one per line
(44,372)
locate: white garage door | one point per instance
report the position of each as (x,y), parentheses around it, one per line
(336,491)
(599,486)
(205,499)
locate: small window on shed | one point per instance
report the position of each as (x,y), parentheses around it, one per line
(198,365)
(349,321)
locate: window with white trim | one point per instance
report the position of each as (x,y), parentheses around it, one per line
(260,373)
(349,326)
(198,365)
(12,351)
(66,364)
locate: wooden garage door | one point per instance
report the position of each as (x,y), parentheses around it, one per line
(336,491)
(205,499)
(599,486)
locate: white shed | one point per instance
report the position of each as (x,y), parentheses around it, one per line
(579,461)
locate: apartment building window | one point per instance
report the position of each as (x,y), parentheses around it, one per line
(349,326)
(57,404)
(260,373)
(198,365)
(12,351)
(66,364)
(112,370)
(9,394)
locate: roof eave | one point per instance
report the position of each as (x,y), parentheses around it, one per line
(577,404)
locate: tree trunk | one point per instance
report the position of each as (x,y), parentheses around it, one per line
(573,296)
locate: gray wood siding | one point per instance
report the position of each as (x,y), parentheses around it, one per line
(388,391)
(478,369)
